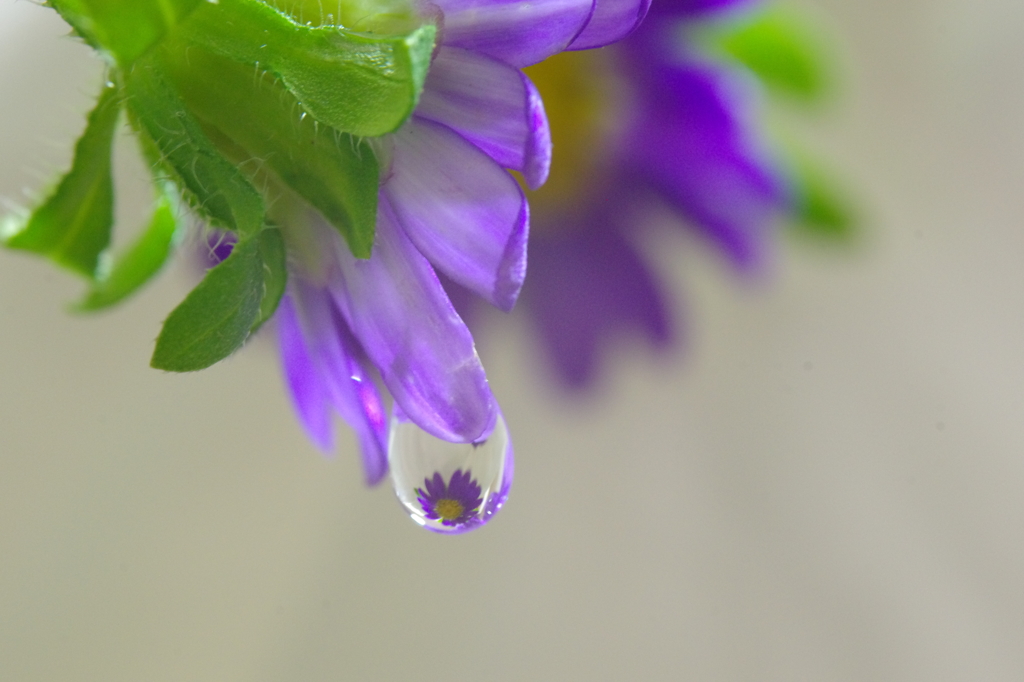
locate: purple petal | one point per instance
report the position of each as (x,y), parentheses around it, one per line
(398,311)
(585,285)
(465,213)
(309,394)
(435,487)
(694,142)
(538,150)
(467,304)
(335,355)
(494,106)
(519,32)
(612,20)
(461,486)
(675,8)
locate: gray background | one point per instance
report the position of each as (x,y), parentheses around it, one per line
(828,486)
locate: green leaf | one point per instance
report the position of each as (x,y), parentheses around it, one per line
(232,301)
(360,83)
(72,227)
(216,317)
(124,28)
(782,50)
(336,173)
(215,187)
(275,274)
(138,264)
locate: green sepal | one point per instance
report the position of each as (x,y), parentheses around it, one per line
(218,316)
(361,83)
(126,29)
(275,274)
(138,264)
(821,206)
(72,227)
(335,172)
(781,49)
(213,185)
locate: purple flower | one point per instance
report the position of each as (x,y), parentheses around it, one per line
(453,505)
(645,123)
(447,205)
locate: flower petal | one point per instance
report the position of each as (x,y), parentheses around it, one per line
(586,284)
(465,213)
(612,20)
(673,8)
(494,106)
(520,32)
(398,311)
(694,142)
(538,151)
(309,394)
(335,357)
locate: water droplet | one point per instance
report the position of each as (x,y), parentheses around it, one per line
(449,487)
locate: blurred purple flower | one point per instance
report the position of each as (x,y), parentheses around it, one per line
(447,205)
(670,127)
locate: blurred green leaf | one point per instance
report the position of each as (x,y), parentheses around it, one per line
(822,207)
(782,50)
(72,227)
(335,172)
(215,187)
(217,317)
(124,28)
(360,83)
(138,264)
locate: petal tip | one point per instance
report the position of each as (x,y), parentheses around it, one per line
(537,161)
(512,273)
(611,21)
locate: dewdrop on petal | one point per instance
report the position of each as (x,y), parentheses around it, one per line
(448,487)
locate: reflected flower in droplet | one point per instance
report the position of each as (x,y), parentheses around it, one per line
(449,487)
(453,504)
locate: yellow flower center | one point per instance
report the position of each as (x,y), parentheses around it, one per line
(581,96)
(448,509)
